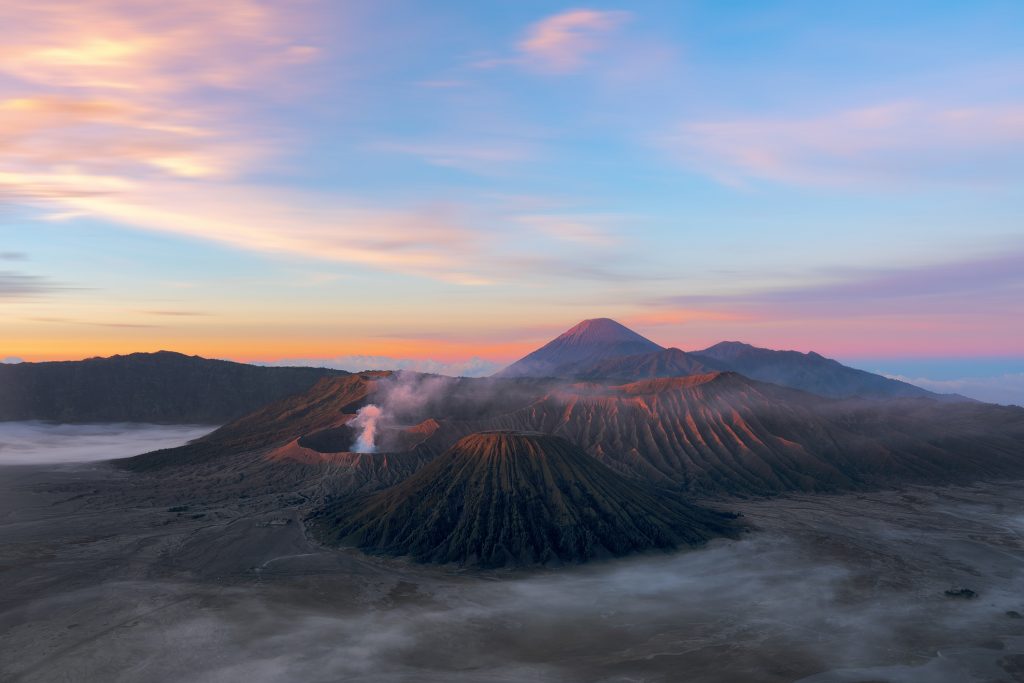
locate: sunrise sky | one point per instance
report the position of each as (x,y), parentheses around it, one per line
(457,182)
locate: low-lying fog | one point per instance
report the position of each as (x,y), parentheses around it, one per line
(25,443)
(828,589)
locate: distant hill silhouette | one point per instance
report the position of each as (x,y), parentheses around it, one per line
(162,387)
(809,372)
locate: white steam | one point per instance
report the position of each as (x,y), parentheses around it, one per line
(366,419)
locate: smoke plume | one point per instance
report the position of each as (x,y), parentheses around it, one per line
(366,419)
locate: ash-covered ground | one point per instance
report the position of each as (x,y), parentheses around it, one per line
(96,584)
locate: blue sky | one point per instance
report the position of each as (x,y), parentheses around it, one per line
(443,181)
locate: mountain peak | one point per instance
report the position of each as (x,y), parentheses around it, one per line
(591,340)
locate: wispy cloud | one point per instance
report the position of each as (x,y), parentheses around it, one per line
(106,114)
(563,42)
(72,321)
(176,314)
(905,143)
(591,230)
(993,284)
(147,47)
(14,285)
(427,242)
(680,316)
(473,156)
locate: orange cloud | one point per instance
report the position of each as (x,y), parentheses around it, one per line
(147,46)
(105,114)
(286,223)
(561,43)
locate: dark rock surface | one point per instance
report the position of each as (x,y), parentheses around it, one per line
(514,498)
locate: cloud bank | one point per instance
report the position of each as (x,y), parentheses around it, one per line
(1006,389)
(38,443)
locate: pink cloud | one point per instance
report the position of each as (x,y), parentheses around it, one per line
(902,143)
(105,112)
(562,43)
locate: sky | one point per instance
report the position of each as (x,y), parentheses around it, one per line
(447,185)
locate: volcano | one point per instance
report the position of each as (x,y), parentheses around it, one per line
(502,498)
(602,349)
(588,342)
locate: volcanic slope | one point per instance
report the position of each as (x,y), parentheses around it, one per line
(718,433)
(590,341)
(723,433)
(665,363)
(301,445)
(516,498)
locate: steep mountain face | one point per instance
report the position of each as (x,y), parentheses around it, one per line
(161,387)
(665,363)
(809,372)
(514,498)
(588,342)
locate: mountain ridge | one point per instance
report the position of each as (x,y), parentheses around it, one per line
(160,387)
(599,360)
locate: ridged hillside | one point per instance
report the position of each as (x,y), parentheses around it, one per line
(722,433)
(514,498)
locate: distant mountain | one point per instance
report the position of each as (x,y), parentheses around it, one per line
(809,372)
(590,341)
(162,387)
(513,498)
(602,349)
